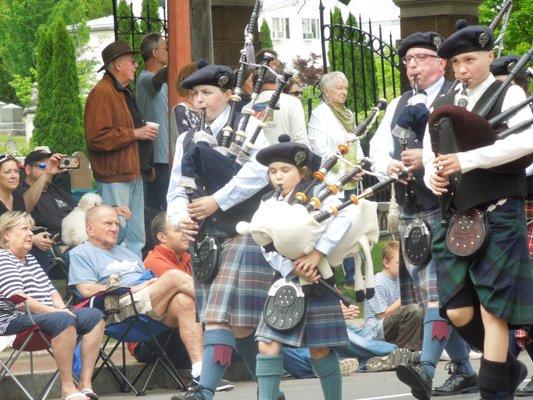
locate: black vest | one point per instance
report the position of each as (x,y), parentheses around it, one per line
(481,186)
(425,199)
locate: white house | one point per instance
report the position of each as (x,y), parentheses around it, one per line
(295,24)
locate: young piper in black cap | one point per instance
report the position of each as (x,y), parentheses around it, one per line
(230,305)
(323,326)
(407,116)
(484,295)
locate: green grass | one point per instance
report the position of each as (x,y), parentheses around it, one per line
(20,143)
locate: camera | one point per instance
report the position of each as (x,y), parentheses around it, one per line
(69,163)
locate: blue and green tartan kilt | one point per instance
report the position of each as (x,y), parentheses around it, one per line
(323,326)
(502,275)
(419,284)
(237,294)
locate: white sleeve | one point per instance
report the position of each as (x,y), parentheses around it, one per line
(503,151)
(317,134)
(382,144)
(279,263)
(177,199)
(427,158)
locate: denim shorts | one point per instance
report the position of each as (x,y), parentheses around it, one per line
(54,323)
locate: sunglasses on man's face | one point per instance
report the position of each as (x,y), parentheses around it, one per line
(297,93)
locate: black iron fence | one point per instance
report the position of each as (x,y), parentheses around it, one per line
(132,28)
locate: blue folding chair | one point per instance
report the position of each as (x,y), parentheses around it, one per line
(137,328)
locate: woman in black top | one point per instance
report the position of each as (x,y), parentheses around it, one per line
(9,181)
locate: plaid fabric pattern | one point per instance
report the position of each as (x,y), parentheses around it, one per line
(418,284)
(323,325)
(501,275)
(237,294)
(529,218)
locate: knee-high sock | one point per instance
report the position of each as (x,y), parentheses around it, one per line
(459,351)
(268,371)
(436,333)
(493,379)
(247,348)
(329,372)
(218,346)
(473,332)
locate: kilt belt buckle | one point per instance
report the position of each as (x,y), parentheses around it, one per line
(285,305)
(417,242)
(493,206)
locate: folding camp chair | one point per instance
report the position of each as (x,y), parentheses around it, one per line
(137,328)
(31,339)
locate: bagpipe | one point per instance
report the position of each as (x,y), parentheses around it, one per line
(454,129)
(292,230)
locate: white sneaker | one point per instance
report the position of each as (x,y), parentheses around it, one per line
(349,366)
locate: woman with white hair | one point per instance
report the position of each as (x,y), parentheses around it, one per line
(23,276)
(330,121)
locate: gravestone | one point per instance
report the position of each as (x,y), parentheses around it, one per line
(11,119)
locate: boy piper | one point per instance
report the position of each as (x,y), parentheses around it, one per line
(323,326)
(482,296)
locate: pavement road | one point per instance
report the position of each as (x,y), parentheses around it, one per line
(359,386)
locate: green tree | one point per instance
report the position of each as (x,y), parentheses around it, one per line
(7,93)
(266,37)
(518,36)
(125,21)
(43,56)
(150,11)
(98,8)
(64,131)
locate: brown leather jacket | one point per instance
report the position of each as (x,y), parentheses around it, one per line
(113,149)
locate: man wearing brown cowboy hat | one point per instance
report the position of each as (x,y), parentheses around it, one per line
(118,141)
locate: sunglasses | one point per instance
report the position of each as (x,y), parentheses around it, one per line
(6,157)
(296,93)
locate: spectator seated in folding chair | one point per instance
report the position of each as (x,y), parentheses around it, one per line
(99,264)
(48,323)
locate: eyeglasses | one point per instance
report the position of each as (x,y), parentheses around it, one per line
(421,57)
(296,93)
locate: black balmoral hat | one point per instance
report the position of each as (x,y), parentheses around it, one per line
(220,76)
(425,40)
(467,39)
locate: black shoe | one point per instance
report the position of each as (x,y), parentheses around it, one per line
(191,394)
(515,379)
(223,386)
(457,383)
(416,377)
(526,390)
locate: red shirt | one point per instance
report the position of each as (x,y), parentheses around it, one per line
(160,260)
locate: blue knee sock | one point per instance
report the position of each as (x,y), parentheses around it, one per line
(218,346)
(268,371)
(458,350)
(247,348)
(329,372)
(436,334)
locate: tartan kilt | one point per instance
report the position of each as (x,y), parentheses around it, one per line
(418,284)
(501,275)
(323,325)
(529,219)
(237,294)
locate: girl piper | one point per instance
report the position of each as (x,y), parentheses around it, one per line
(322,327)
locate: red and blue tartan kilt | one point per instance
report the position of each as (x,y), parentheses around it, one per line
(501,275)
(323,325)
(238,293)
(418,283)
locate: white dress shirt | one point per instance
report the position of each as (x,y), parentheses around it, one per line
(502,151)
(251,178)
(382,143)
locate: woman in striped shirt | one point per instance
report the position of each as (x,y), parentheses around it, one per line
(22,275)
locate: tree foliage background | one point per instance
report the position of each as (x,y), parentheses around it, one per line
(266,36)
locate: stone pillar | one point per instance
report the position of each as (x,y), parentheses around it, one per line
(435,15)
(201,30)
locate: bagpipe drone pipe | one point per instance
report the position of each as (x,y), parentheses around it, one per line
(454,129)
(211,167)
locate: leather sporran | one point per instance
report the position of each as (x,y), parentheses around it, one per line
(417,242)
(205,259)
(285,305)
(468,233)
